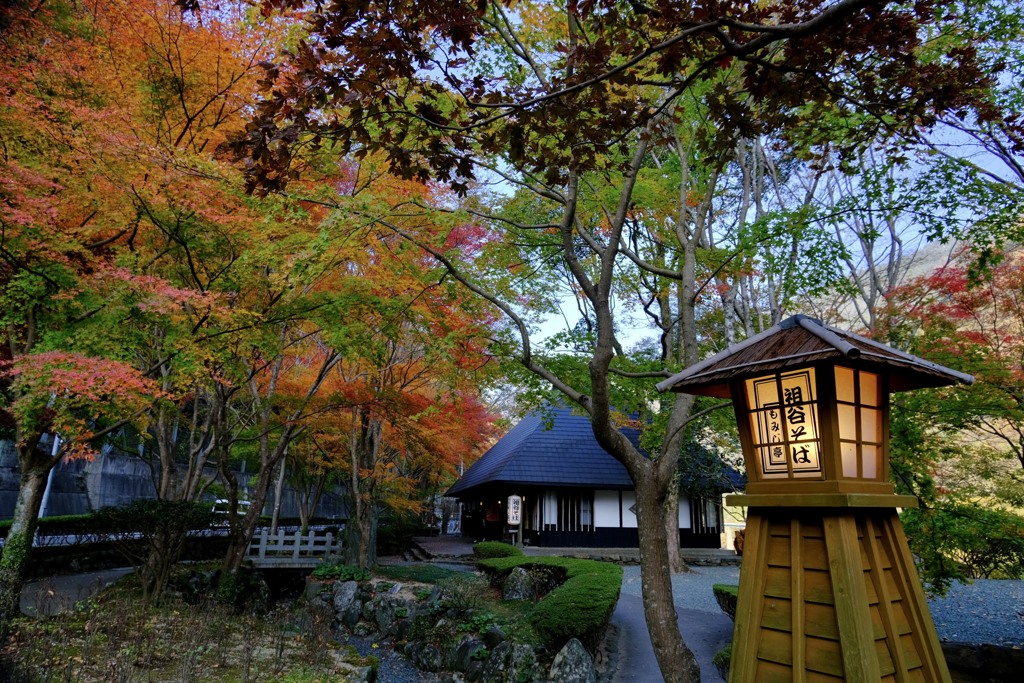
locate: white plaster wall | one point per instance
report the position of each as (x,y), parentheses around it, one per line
(684,512)
(628,517)
(606,509)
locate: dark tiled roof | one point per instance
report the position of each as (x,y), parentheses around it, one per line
(567,454)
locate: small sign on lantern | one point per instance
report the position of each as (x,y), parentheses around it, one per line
(515,510)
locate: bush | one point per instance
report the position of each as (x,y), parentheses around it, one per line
(721,661)
(462,592)
(727,595)
(579,608)
(957,541)
(494,549)
(336,571)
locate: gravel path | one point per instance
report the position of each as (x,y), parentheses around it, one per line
(987,611)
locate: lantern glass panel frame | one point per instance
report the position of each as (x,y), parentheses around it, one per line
(785,424)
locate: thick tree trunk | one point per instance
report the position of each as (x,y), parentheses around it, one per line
(361,537)
(675,559)
(241,537)
(14,562)
(361,531)
(677,662)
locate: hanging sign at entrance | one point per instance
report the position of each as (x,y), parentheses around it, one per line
(515,510)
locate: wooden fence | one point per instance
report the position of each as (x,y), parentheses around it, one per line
(294,549)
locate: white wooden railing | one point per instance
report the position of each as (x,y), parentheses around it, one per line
(292,549)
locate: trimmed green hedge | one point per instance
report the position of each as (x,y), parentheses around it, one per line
(493,549)
(727,595)
(579,608)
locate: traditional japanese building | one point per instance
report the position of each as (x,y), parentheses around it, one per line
(574,494)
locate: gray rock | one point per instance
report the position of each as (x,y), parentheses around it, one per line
(494,636)
(510,662)
(401,629)
(429,658)
(470,651)
(523,665)
(518,585)
(350,617)
(344,594)
(573,664)
(384,613)
(314,589)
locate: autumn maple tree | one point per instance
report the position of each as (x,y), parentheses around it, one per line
(130,256)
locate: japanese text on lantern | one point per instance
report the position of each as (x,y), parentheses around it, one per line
(784,423)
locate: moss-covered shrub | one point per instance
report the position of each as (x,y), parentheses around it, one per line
(579,608)
(727,595)
(721,661)
(492,549)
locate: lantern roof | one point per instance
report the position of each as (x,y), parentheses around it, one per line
(799,341)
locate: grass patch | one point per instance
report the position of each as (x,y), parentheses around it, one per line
(422,573)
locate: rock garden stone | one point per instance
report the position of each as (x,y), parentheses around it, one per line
(518,585)
(468,652)
(429,658)
(494,636)
(343,594)
(510,662)
(573,664)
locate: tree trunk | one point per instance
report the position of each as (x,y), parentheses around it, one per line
(241,537)
(278,492)
(35,469)
(361,531)
(675,560)
(361,537)
(676,661)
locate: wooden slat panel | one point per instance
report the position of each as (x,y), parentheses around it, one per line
(886,666)
(815,555)
(777,582)
(779,552)
(770,672)
(821,621)
(917,676)
(818,677)
(899,614)
(877,625)
(811,527)
(869,585)
(824,656)
(818,587)
(778,615)
(915,605)
(797,606)
(775,646)
(910,651)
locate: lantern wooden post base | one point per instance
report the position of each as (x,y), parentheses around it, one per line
(831,594)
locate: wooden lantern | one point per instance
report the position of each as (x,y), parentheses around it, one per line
(828,589)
